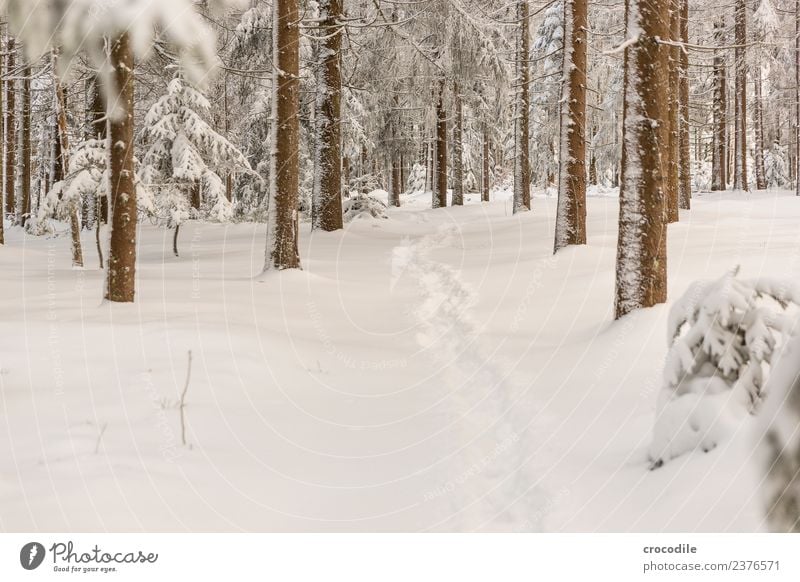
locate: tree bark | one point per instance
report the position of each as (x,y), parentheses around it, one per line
(26,147)
(11,135)
(671,159)
(719,157)
(758,120)
(397,180)
(641,274)
(796,165)
(522,188)
(571,212)
(740,97)
(2,138)
(440,178)
(327,207)
(282,225)
(485,173)
(73,207)
(684,162)
(458,148)
(121,271)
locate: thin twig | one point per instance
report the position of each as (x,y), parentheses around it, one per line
(183,399)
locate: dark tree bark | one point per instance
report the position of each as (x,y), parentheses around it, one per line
(684,164)
(740,96)
(327,211)
(440,178)
(672,127)
(641,274)
(11,134)
(63,142)
(485,173)
(25,190)
(571,214)
(121,272)
(719,158)
(522,165)
(458,148)
(282,236)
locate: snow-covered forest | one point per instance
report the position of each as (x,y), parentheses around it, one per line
(377,265)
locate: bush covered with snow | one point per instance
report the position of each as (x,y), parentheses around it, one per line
(363,206)
(723,337)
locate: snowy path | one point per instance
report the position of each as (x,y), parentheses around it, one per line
(440,371)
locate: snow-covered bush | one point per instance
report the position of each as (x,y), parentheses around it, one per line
(723,336)
(416,179)
(363,206)
(779,441)
(185,153)
(776,166)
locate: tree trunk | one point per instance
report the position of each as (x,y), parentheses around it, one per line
(458,149)
(282,225)
(121,272)
(73,206)
(740,97)
(641,273)
(671,139)
(485,173)
(758,120)
(522,188)
(796,165)
(26,146)
(571,212)
(196,195)
(719,158)
(11,135)
(440,178)
(397,180)
(2,138)
(684,162)
(327,196)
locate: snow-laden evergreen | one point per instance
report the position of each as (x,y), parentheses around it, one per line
(723,337)
(186,153)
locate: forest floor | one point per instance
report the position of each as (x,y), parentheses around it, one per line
(439,370)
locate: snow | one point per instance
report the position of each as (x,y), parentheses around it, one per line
(439,370)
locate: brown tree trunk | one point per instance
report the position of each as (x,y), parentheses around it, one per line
(73,208)
(2,138)
(26,147)
(522,187)
(485,173)
(195,195)
(571,213)
(11,135)
(673,145)
(740,97)
(641,274)
(458,149)
(397,180)
(758,120)
(327,213)
(684,163)
(282,226)
(796,166)
(121,272)
(99,123)
(719,158)
(440,178)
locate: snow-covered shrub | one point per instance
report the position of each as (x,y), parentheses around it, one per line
(416,179)
(776,166)
(363,206)
(366,183)
(779,441)
(185,152)
(723,336)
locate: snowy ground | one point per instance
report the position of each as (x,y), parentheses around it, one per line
(439,370)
